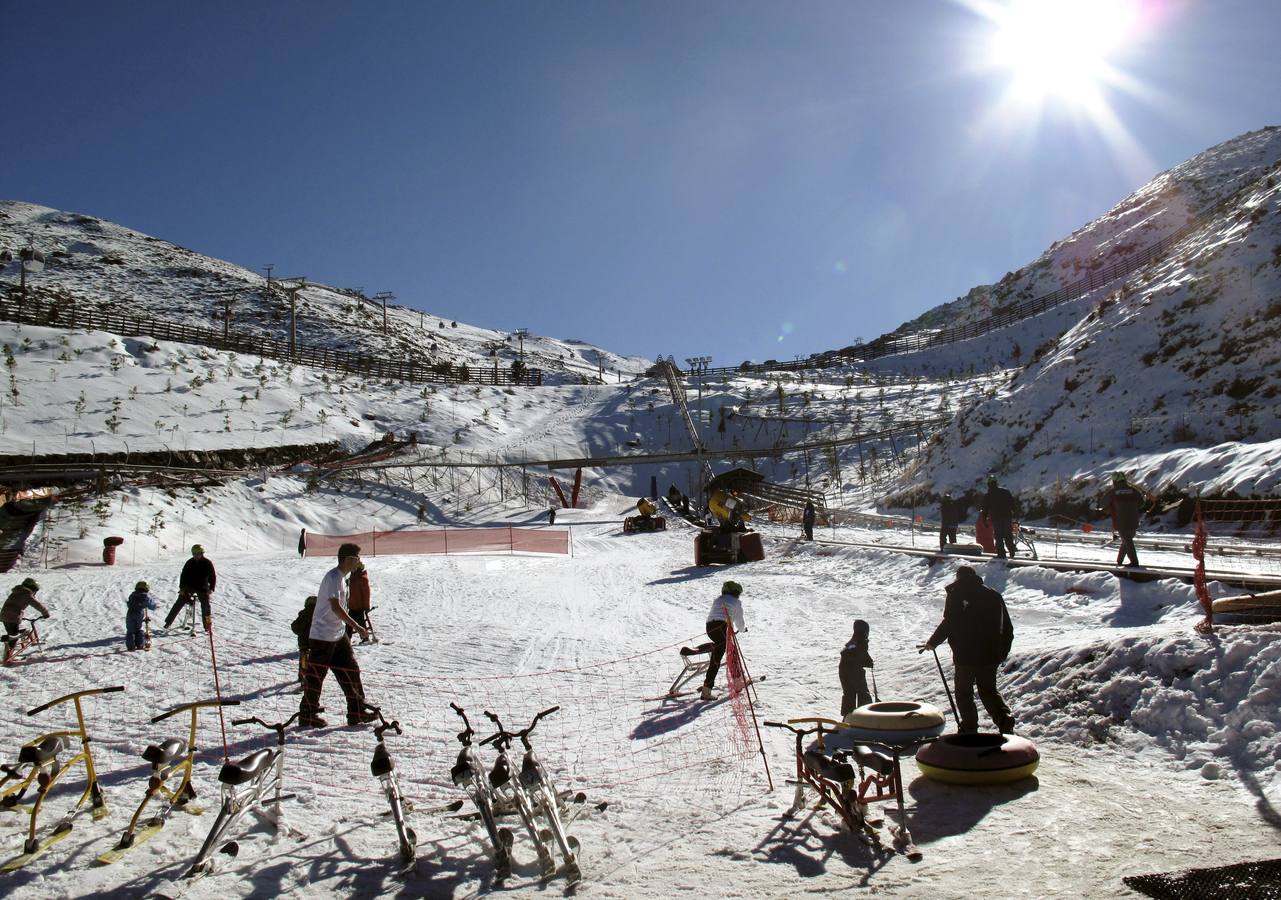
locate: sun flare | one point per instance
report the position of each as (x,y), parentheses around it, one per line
(1059,49)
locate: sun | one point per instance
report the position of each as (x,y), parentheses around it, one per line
(1058,49)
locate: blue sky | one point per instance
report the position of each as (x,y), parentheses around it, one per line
(724,177)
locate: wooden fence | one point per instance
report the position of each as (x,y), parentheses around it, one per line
(33,311)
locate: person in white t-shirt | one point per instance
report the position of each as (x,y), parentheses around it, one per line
(330,648)
(726,611)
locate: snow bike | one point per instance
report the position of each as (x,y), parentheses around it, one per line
(186,620)
(547,801)
(252,782)
(694,663)
(41,755)
(27,637)
(168,758)
(1025,537)
(849,775)
(514,796)
(468,774)
(384,769)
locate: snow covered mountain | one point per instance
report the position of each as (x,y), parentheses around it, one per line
(110,267)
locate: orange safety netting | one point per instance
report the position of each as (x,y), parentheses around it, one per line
(444,540)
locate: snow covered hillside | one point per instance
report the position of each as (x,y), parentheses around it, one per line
(109,267)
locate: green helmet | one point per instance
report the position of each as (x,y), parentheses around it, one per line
(31,584)
(142,586)
(1118,478)
(197,550)
(991,479)
(733,588)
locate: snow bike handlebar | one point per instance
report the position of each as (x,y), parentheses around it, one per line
(279,727)
(385,726)
(503,738)
(76,696)
(524,733)
(31,620)
(186,706)
(464,736)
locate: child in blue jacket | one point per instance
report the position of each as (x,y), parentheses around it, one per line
(140,601)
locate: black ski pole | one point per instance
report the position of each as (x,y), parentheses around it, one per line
(955,715)
(876,695)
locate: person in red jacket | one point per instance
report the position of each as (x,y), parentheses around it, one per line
(358,600)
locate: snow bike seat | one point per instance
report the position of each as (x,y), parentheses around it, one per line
(874,758)
(381,763)
(695,651)
(248,768)
(826,766)
(464,768)
(43,752)
(165,752)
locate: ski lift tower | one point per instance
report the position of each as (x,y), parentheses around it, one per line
(698,367)
(520,334)
(292,290)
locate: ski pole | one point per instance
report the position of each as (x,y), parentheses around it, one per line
(955,715)
(876,695)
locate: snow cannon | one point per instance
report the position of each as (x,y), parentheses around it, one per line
(731,541)
(647,520)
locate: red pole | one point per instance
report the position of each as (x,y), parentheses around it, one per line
(738,652)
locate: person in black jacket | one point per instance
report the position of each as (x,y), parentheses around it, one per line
(807,520)
(197,581)
(854,659)
(1000,507)
(1126,503)
(949,518)
(977,626)
(301,627)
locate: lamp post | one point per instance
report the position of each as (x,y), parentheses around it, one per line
(698,366)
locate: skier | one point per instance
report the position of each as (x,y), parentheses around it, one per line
(301,627)
(302,542)
(197,581)
(1125,502)
(328,646)
(977,626)
(1000,506)
(727,610)
(20,598)
(140,602)
(854,659)
(807,520)
(949,518)
(358,600)
(551,515)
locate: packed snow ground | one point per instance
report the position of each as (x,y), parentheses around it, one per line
(1159,746)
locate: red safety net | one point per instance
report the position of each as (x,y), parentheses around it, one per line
(1242,535)
(444,540)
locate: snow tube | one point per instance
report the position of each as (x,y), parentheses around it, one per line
(978,758)
(964,549)
(894,722)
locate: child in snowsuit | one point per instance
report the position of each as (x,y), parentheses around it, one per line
(20,598)
(854,659)
(358,604)
(302,628)
(140,602)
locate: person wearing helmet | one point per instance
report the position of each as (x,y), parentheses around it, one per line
(727,611)
(197,581)
(1125,501)
(854,659)
(140,602)
(999,505)
(20,598)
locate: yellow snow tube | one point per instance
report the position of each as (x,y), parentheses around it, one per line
(978,758)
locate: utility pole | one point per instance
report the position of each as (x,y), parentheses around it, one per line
(384,296)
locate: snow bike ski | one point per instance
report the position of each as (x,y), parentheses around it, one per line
(547,800)
(849,775)
(24,639)
(41,756)
(146,634)
(252,782)
(512,789)
(168,758)
(467,774)
(384,769)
